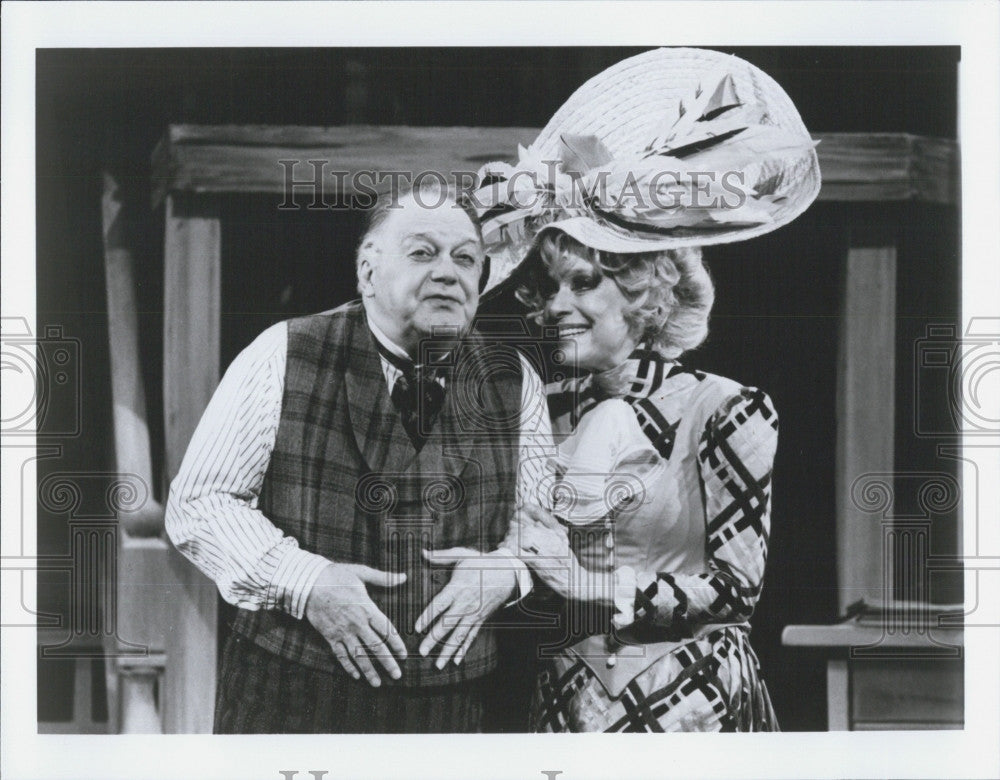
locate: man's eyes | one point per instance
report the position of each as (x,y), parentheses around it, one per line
(464,259)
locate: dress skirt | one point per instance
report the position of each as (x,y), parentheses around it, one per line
(708,684)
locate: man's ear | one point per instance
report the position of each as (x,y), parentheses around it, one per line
(367,258)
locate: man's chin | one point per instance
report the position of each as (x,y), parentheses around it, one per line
(444,323)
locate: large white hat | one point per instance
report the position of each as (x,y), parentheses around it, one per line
(670,148)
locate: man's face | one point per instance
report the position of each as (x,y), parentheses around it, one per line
(420,271)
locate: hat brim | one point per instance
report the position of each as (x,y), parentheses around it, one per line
(606,238)
(625,105)
(593,234)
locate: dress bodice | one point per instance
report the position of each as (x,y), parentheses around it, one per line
(630,480)
(665,478)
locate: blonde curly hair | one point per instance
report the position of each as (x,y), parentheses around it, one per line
(670,292)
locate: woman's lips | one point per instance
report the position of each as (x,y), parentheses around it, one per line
(567,331)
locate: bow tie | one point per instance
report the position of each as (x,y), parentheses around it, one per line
(419,400)
(418,394)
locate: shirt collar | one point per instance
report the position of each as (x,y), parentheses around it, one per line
(386,342)
(390,370)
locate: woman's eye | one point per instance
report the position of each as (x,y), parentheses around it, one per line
(582,283)
(420,253)
(466,260)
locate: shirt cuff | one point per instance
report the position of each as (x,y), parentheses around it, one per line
(520,570)
(294,577)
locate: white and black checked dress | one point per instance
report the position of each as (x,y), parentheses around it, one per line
(695,452)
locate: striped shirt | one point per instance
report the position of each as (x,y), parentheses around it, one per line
(212,514)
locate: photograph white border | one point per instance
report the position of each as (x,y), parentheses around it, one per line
(972,752)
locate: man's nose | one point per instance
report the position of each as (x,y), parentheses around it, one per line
(444,270)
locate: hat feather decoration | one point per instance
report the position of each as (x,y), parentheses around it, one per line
(674,147)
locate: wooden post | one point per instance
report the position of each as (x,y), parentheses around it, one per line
(866,388)
(191,263)
(838,695)
(139,715)
(191,320)
(132,450)
(142,573)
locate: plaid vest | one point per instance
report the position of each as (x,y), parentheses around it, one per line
(346,481)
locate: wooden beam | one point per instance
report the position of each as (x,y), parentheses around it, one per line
(935,170)
(192,303)
(852,634)
(238,159)
(866,389)
(248,159)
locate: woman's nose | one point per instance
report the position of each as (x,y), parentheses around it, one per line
(559,305)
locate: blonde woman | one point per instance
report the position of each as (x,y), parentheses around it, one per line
(656,530)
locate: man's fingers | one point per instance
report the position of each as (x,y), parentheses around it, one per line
(453,643)
(340,651)
(427,645)
(383,579)
(438,605)
(360,656)
(381,625)
(467,643)
(378,650)
(434,619)
(451,555)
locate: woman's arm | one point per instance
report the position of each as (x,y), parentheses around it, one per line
(542,542)
(735,460)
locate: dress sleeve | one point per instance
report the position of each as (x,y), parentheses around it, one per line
(212,515)
(735,460)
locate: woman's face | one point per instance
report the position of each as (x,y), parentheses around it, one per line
(589,310)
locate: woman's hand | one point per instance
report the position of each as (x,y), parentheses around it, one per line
(540,535)
(542,543)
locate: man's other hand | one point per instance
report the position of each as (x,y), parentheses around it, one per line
(340,609)
(479,585)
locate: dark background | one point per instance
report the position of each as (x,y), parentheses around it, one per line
(778,296)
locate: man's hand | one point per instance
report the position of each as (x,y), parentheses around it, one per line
(478,586)
(340,609)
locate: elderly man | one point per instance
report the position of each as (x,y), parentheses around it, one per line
(338,450)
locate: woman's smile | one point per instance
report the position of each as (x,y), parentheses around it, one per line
(589,310)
